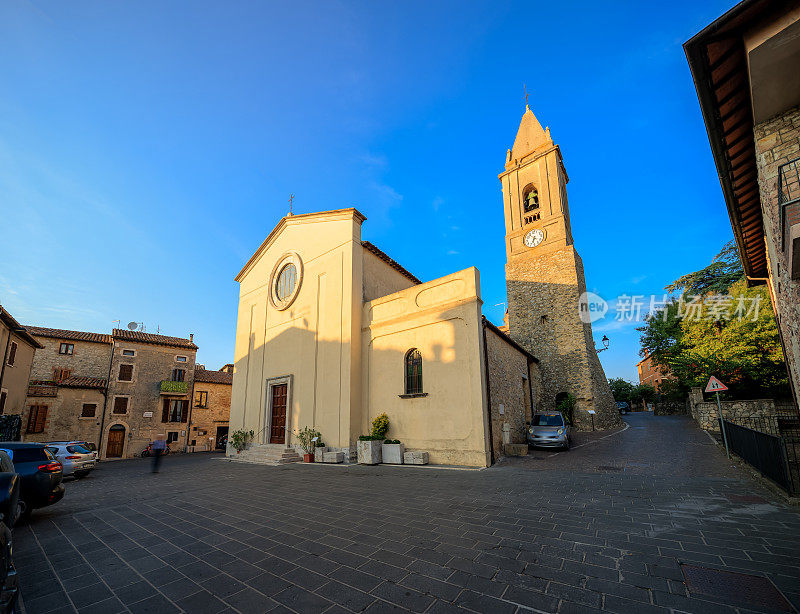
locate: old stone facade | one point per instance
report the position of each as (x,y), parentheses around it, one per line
(778,160)
(118,391)
(545,278)
(754,413)
(17,350)
(211,409)
(513,385)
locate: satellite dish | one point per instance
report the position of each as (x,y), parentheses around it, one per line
(133,325)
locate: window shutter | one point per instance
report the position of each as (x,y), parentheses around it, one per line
(121,405)
(12,354)
(41,416)
(31,418)
(184,410)
(165,412)
(125,373)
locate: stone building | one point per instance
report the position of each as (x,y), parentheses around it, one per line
(332,332)
(118,391)
(545,279)
(211,408)
(745,67)
(18,348)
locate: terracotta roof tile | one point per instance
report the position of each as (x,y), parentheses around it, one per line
(140,337)
(395,265)
(213,377)
(76,335)
(73,382)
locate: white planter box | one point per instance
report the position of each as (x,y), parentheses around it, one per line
(393,453)
(369,452)
(318,454)
(415,458)
(333,457)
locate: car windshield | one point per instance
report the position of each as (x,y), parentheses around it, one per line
(31,455)
(77,449)
(547,420)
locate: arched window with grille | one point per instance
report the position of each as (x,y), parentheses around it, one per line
(530,199)
(413,371)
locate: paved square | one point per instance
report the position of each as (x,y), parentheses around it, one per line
(602,527)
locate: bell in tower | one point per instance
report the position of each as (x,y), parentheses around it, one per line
(545,279)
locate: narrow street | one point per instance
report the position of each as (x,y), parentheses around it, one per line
(603,527)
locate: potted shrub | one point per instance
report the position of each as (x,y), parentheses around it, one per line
(369,446)
(240,439)
(320,450)
(308,438)
(392,451)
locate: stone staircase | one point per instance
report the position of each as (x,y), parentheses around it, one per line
(267,454)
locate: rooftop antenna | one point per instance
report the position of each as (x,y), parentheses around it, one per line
(291,198)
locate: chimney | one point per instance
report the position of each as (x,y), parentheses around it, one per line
(191,336)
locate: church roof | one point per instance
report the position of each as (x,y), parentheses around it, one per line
(395,265)
(530,136)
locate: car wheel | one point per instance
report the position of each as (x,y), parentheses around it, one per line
(145,454)
(23,510)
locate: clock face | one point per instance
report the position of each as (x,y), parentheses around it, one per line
(534,237)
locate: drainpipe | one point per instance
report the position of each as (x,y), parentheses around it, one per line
(105,401)
(488,394)
(5,356)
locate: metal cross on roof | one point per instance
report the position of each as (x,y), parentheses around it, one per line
(525,89)
(291,198)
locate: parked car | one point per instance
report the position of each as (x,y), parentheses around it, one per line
(41,475)
(76,459)
(623,407)
(85,444)
(9,508)
(549,430)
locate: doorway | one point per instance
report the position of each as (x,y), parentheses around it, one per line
(222,438)
(116,441)
(277,431)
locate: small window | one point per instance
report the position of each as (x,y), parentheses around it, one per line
(180,359)
(88,410)
(543,320)
(120,405)
(129,352)
(201,399)
(172,436)
(36,419)
(413,372)
(286,282)
(125,373)
(60,374)
(175,411)
(178,375)
(3,395)
(66,348)
(530,199)
(12,354)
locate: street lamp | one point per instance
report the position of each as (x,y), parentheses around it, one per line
(605,341)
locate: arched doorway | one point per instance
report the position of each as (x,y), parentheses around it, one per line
(116,441)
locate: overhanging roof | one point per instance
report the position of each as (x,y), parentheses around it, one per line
(718,61)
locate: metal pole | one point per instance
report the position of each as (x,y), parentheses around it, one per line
(722,424)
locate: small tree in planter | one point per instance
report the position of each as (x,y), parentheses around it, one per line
(307,442)
(240,439)
(392,451)
(369,446)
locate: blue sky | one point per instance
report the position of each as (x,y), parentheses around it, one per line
(147,148)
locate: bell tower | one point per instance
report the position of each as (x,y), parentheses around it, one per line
(545,279)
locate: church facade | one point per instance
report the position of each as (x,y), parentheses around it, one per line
(332,332)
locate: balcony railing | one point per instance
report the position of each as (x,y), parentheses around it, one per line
(170,387)
(43,390)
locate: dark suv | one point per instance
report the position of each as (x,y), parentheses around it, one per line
(9,497)
(41,475)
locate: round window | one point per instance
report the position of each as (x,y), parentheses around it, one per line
(286,282)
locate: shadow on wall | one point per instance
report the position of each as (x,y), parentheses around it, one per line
(324,395)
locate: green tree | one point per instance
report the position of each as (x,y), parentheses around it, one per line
(621,389)
(725,270)
(642,393)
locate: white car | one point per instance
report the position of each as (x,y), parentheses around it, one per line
(77,460)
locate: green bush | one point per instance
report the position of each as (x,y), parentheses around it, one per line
(240,439)
(369,438)
(320,444)
(305,438)
(567,406)
(390,441)
(380,426)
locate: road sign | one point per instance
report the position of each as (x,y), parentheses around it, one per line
(714,385)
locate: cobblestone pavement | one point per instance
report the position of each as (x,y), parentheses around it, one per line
(602,527)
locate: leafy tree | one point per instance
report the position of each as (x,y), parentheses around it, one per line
(621,389)
(642,393)
(725,270)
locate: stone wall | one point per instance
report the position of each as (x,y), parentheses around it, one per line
(670,408)
(206,420)
(509,391)
(759,413)
(777,143)
(88,359)
(64,421)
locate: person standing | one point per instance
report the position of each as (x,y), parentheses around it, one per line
(159,446)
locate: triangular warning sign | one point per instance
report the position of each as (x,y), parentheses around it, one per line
(714,385)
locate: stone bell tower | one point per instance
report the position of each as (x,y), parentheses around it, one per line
(545,279)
